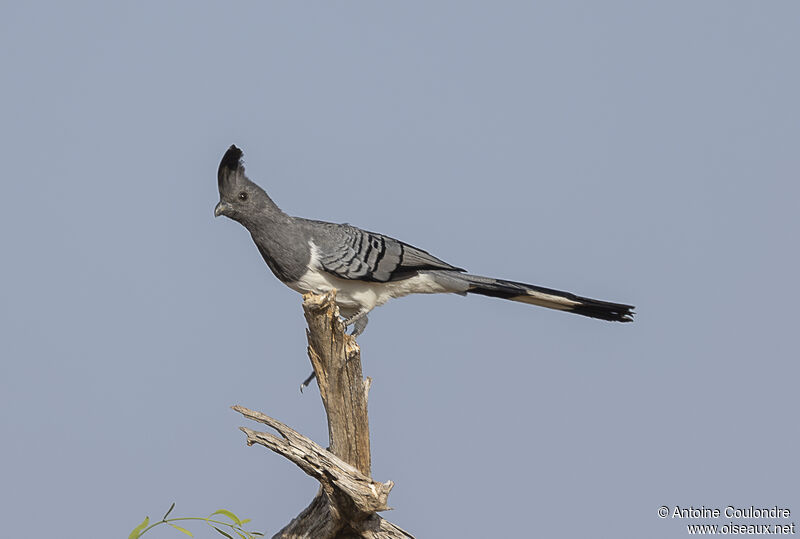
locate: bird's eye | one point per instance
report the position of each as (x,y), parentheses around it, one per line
(242,196)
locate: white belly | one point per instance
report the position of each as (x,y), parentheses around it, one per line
(364,295)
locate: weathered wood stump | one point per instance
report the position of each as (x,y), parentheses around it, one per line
(348,501)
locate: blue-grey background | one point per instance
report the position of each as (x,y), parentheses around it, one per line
(642,152)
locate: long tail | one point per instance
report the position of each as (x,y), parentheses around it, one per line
(546,297)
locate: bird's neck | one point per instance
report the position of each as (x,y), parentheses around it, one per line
(268,216)
(271,209)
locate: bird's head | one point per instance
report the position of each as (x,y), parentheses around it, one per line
(239,198)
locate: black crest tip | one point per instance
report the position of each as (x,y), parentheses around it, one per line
(231,159)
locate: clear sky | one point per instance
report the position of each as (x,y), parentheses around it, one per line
(640,152)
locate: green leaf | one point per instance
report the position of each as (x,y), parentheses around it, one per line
(222,532)
(240,534)
(227,514)
(171,507)
(138,529)
(257,533)
(184,530)
(246,520)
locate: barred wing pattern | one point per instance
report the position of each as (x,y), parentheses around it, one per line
(351,253)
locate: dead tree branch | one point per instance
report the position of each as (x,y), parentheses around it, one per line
(348,501)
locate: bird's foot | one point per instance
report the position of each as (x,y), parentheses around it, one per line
(359,326)
(359,322)
(307,381)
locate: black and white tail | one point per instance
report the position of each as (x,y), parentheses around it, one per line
(546,297)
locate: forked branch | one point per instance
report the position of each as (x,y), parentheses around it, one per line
(347,503)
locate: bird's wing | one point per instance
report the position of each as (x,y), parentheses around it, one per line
(351,253)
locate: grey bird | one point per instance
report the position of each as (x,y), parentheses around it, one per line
(366,268)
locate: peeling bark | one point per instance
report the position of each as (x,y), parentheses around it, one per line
(348,501)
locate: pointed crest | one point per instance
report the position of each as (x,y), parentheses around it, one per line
(230,167)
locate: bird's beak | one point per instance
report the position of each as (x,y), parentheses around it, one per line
(222,209)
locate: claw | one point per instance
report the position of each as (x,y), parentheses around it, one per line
(307,381)
(359,322)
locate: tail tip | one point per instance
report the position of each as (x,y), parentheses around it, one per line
(604,311)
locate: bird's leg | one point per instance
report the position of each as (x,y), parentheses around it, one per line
(307,381)
(359,321)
